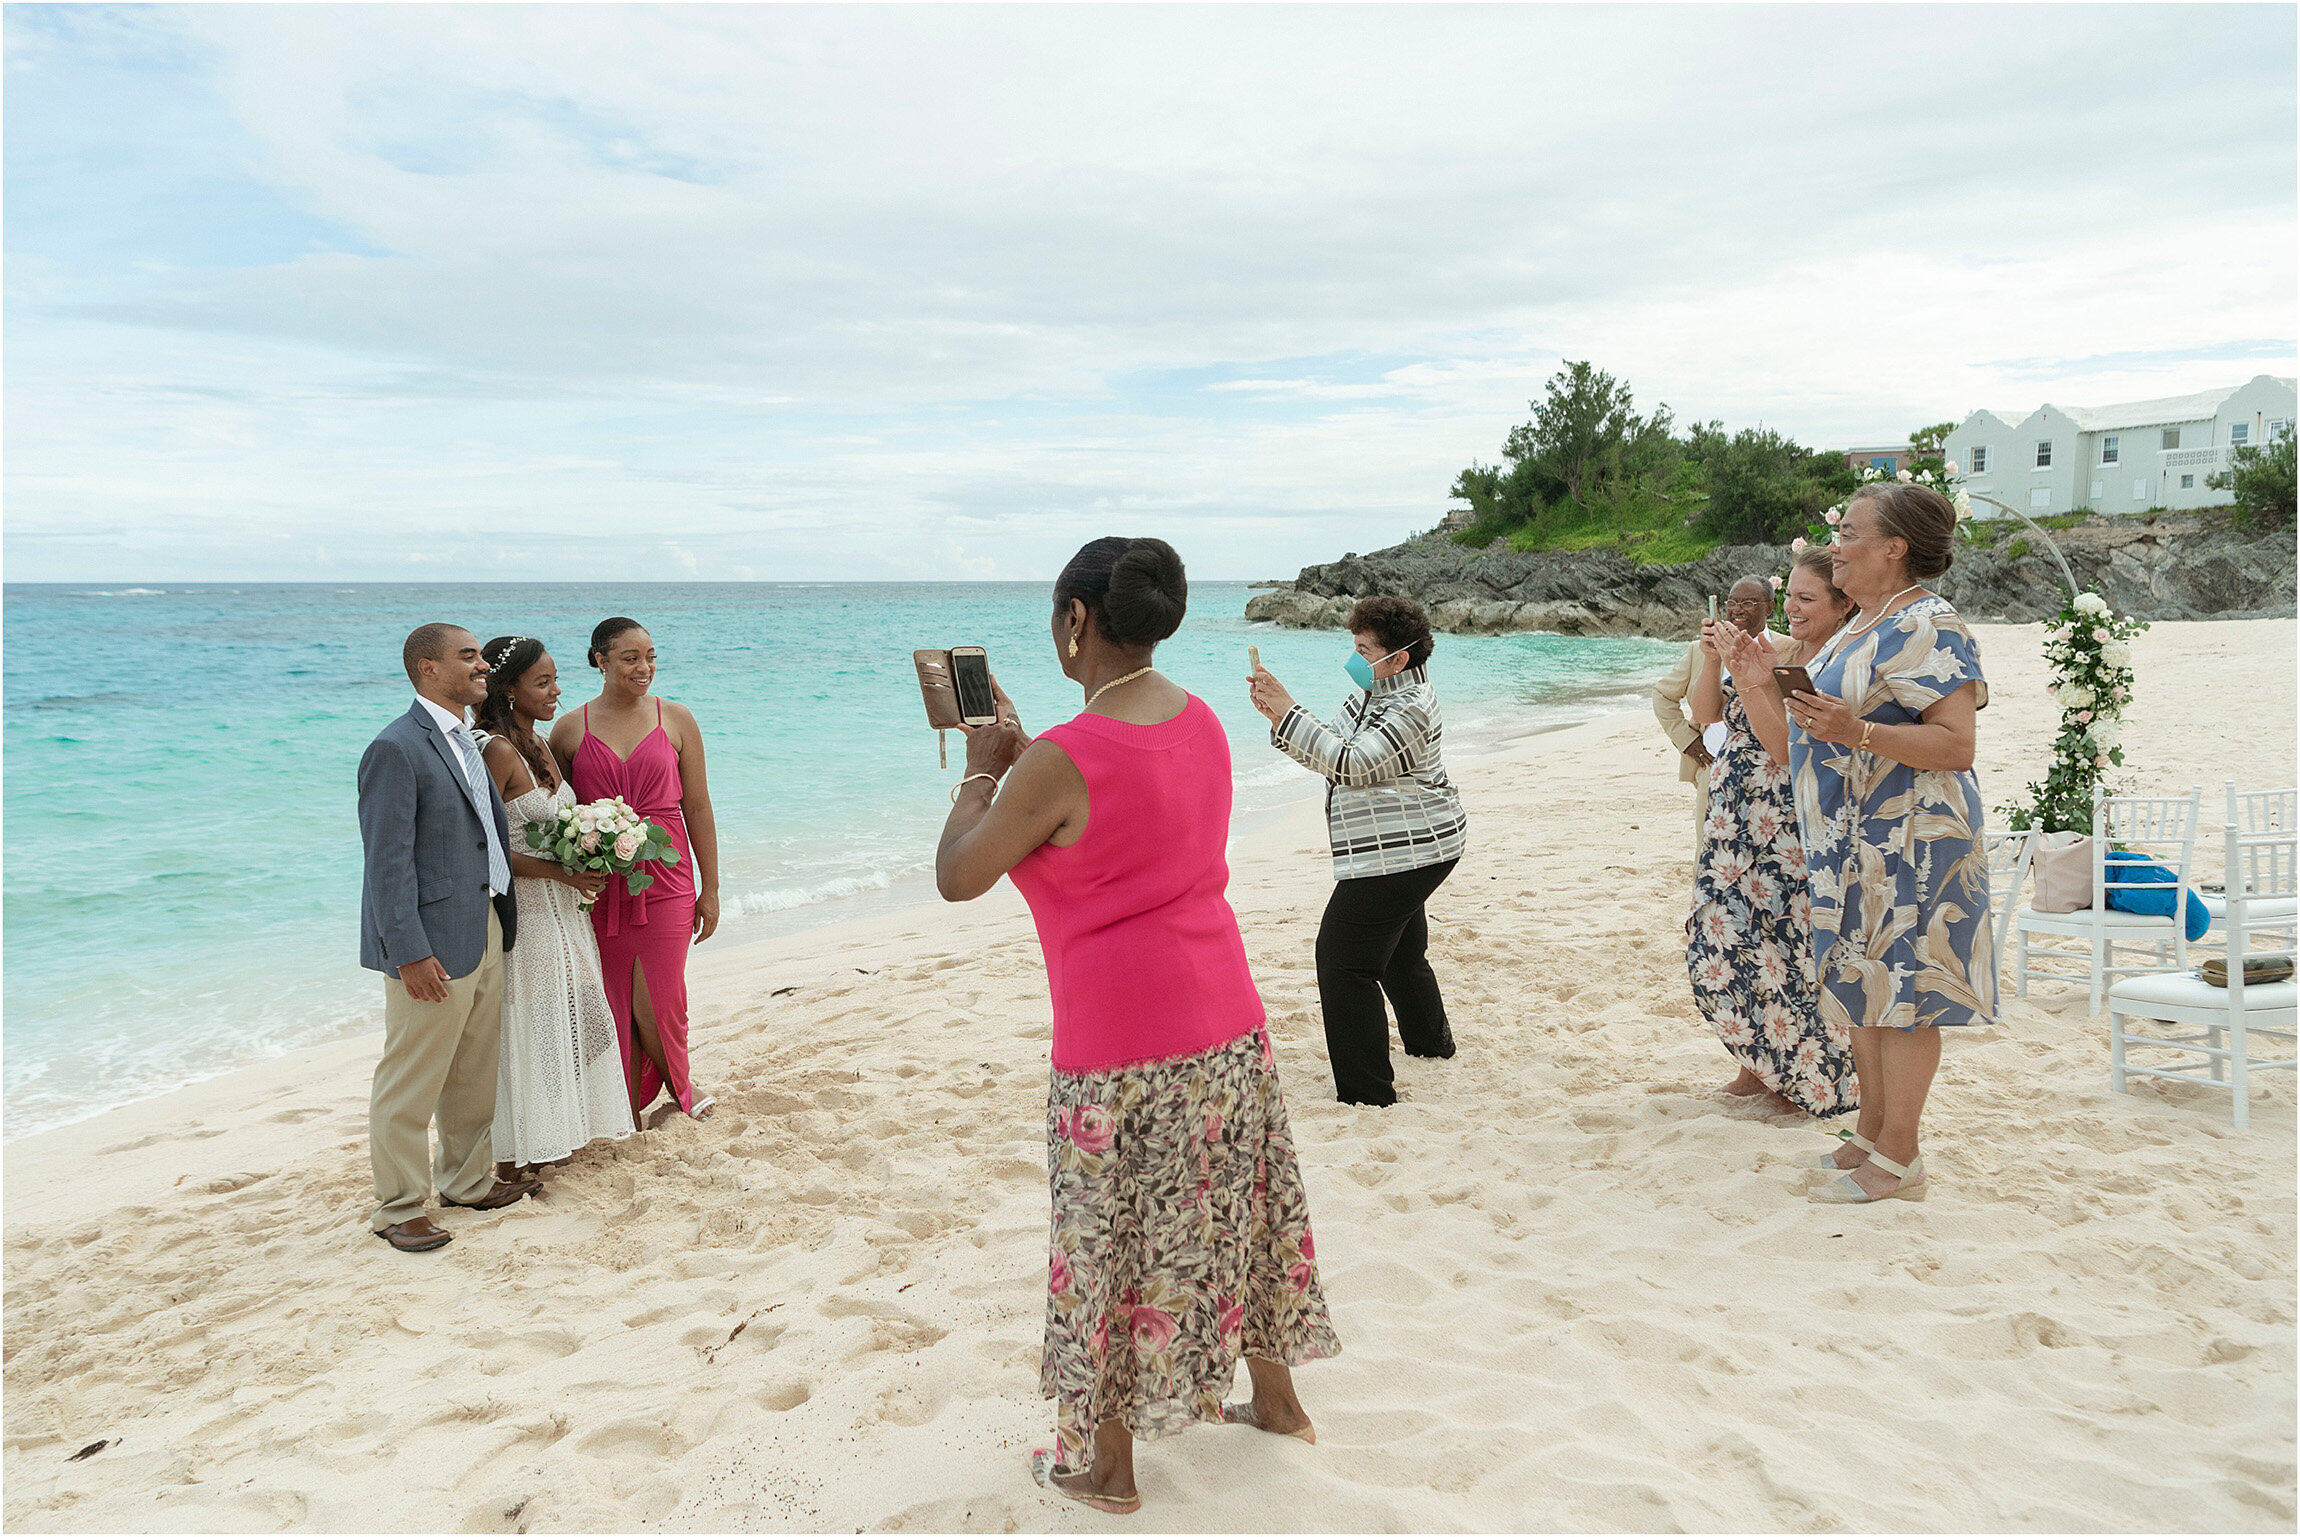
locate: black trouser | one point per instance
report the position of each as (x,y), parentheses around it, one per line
(1375,940)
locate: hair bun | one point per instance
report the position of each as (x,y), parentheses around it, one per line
(1148,593)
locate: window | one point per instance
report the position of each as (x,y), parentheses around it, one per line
(2044,453)
(2239,434)
(2140,490)
(2278,428)
(2108,449)
(2040,497)
(1980,460)
(2172,437)
(2187,482)
(1884,464)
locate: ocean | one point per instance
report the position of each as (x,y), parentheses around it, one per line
(182,846)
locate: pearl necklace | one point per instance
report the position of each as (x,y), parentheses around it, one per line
(1113,683)
(1885,611)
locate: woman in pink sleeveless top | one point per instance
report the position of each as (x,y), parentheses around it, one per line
(632,744)
(1181,1236)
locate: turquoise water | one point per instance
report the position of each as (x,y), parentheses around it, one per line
(183,862)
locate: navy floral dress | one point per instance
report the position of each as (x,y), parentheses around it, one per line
(1749,938)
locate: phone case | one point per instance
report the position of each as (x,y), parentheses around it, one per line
(940,693)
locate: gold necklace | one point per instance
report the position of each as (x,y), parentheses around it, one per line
(1113,683)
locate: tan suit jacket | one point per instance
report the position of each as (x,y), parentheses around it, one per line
(1676,720)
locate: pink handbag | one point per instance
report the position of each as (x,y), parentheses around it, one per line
(2062,870)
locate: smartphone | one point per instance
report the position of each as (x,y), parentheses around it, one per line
(1793,680)
(1253,659)
(1712,605)
(970,675)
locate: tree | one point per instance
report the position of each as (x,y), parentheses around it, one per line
(2263,480)
(1927,446)
(1762,486)
(1578,434)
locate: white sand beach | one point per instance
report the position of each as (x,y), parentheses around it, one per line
(1577,1287)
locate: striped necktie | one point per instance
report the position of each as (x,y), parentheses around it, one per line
(475,773)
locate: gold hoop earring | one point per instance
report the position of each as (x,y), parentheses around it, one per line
(1073,645)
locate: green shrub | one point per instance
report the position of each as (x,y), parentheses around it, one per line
(2263,480)
(2017,550)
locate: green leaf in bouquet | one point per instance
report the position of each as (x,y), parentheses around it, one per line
(637,881)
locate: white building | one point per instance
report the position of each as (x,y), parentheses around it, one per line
(2128,458)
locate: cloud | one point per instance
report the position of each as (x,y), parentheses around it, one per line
(819,291)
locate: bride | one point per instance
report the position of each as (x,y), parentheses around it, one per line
(561,1081)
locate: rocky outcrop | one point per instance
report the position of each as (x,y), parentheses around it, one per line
(2167,567)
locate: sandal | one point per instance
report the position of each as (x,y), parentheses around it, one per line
(1042,1469)
(1828,1160)
(1845,1190)
(1245,1414)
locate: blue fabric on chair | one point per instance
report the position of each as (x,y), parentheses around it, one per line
(2156,904)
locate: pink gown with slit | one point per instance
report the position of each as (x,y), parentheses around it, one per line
(651,930)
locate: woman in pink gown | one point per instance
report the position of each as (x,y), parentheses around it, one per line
(643,939)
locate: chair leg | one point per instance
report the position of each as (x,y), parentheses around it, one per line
(2100,952)
(2216,1038)
(2236,1065)
(2115,1051)
(2020,966)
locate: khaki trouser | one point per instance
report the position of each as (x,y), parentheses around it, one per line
(1700,814)
(438,1061)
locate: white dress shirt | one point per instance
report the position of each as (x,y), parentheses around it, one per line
(458,729)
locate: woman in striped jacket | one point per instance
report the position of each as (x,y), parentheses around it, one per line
(1397,828)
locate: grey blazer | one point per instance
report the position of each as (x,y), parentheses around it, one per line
(425,888)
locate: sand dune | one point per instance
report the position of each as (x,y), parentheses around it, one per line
(1576,1286)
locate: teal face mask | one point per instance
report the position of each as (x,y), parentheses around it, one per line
(1361,671)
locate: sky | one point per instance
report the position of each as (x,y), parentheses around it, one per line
(788,293)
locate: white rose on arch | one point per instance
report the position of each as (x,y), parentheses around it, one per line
(2091,603)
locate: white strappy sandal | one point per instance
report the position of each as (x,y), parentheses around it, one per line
(1845,1190)
(1828,1160)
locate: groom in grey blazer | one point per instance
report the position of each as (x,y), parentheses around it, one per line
(436,914)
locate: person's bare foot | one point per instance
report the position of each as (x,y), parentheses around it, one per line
(1102,1487)
(1274,1407)
(1746,1085)
(1277,1420)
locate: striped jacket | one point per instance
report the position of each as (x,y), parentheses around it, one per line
(1389,805)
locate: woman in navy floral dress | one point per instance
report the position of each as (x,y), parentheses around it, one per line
(1749,937)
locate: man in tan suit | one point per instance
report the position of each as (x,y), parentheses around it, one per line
(1676,720)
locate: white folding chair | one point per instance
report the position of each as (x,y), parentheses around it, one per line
(2162,830)
(2262,868)
(2262,813)
(2008,855)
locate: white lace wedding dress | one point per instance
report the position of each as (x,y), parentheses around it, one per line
(561,1081)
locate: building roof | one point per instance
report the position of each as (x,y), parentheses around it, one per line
(2150,413)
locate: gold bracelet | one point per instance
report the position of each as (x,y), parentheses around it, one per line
(970,779)
(1866,728)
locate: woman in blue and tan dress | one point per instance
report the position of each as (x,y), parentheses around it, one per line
(1881,762)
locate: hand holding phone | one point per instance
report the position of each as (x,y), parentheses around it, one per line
(1793,680)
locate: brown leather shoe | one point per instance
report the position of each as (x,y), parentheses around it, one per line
(505,1192)
(415,1235)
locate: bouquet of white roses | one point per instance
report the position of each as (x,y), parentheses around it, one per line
(606,837)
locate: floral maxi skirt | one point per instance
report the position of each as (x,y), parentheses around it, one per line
(1181,1242)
